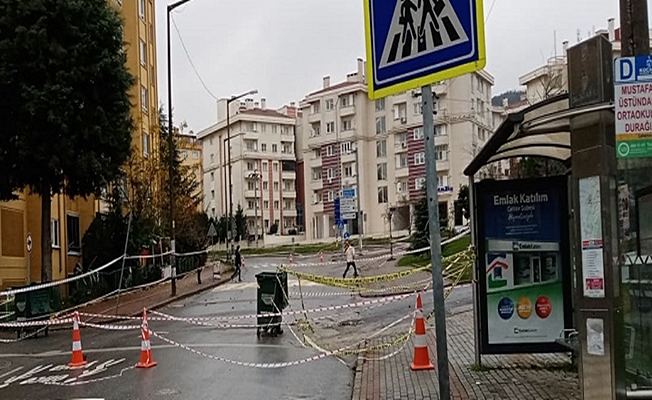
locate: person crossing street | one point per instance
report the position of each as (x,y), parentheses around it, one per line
(350,260)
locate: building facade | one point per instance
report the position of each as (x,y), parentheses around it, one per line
(263,165)
(339,125)
(190,152)
(70,218)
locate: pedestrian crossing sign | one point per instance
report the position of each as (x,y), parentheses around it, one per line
(412,43)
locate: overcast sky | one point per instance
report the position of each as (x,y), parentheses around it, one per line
(283,48)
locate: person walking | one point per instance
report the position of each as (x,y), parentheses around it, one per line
(238,264)
(350,260)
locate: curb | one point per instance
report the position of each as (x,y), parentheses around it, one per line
(160,304)
(356,388)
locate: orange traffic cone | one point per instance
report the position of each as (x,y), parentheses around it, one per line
(421,357)
(77,354)
(145,346)
(290,258)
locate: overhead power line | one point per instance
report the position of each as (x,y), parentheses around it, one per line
(192,64)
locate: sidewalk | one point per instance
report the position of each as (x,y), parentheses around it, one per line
(132,303)
(522,376)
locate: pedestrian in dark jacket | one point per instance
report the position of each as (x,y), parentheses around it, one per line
(238,264)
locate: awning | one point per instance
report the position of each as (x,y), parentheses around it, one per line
(541,130)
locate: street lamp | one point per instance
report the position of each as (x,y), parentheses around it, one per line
(173,151)
(357,189)
(256,177)
(228,135)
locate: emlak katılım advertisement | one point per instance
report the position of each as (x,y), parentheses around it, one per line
(523,264)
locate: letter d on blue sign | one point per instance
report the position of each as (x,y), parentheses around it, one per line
(625,70)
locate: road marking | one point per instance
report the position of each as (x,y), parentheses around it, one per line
(137,348)
(292,283)
(11,372)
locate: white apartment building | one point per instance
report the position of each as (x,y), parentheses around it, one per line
(263,164)
(339,121)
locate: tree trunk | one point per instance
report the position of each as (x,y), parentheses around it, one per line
(46,236)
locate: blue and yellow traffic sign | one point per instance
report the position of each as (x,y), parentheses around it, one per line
(412,43)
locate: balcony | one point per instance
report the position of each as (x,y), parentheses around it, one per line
(317,184)
(316,117)
(290,194)
(289,175)
(402,172)
(346,111)
(250,153)
(314,162)
(348,157)
(251,135)
(289,212)
(317,207)
(443,165)
(252,194)
(288,156)
(318,141)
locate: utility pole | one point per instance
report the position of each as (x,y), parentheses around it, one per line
(173,152)
(256,176)
(634,28)
(390,215)
(435,242)
(357,193)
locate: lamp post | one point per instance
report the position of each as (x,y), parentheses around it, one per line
(357,190)
(173,152)
(256,176)
(228,139)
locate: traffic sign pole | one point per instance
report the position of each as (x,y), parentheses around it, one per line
(435,238)
(29,258)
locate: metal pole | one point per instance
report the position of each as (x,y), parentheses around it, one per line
(435,240)
(357,193)
(476,282)
(229,224)
(256,207)
(124,259)
(634,28)
(172,155)
(391,245)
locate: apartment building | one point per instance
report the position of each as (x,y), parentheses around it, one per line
(339,124)
(190,152)
(263,165)
(72,217)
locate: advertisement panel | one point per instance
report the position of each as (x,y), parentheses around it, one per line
(523,262)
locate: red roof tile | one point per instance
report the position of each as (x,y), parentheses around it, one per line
(334,87)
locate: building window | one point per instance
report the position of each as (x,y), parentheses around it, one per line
(441,152)
(212,158)
(344,101)
(74,235)
(329,150)
(265,166)
(250,166)
(183,154)
(287,204)
(348,170)
(276,204)
(195,154)
(401,187)
(263,147)
(212,176)
(330,173)
(347,124)
(251,204)
(329,104)
(144,97)
(145,144)
(141,9)
(346,147)
(330,127)
(382,195)
(381,148)
(440,130)
(252,145)
(263,128)
(442,181)
(316,174)
(401,161)
(274,148)
(418,134)
(275,165)
(213,194)
(331,195)
(316,107)
(316,129)
(266,204)
(418,108)
(381,171)
(419,158)
(265,185)
(143,53)
(251,185)
(381,126)
(419,183)
(380,104)
(400,111)
(276,186)
(56,243)
(274,128)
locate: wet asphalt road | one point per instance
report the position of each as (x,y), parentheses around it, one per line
(181,374)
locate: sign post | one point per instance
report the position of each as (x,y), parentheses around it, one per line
(29,244)
(414,44)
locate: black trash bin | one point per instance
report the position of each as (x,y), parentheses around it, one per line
(33,305)
(271,298)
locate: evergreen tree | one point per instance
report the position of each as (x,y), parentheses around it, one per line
(420,235)
(65,106)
